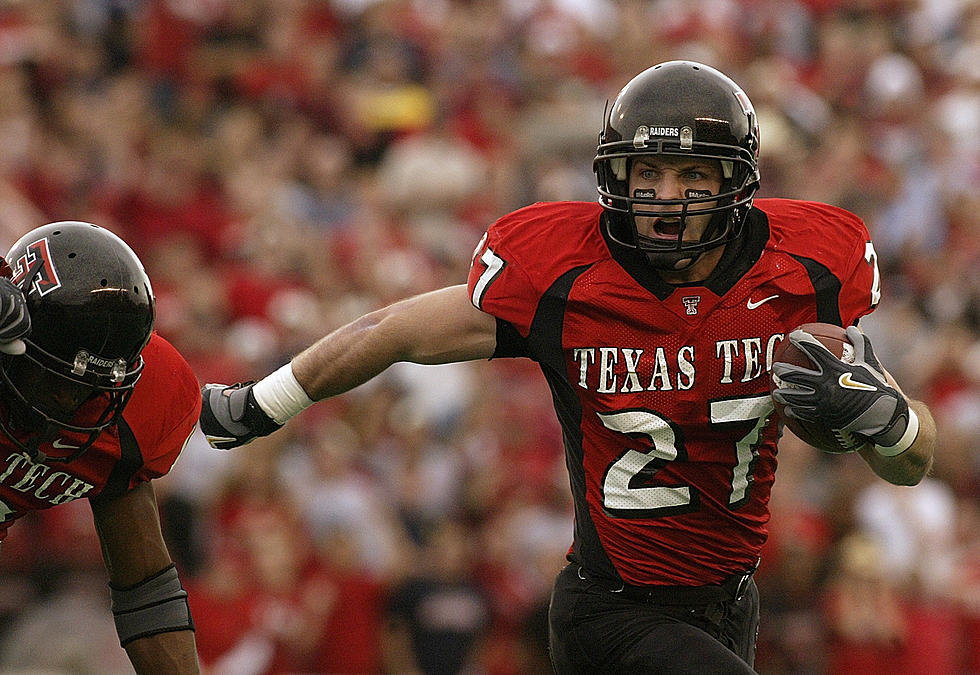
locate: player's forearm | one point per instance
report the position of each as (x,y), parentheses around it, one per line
(173,653)
(437,327)
(346,358)
(911,466)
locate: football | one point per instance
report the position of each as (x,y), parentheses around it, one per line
(835,339)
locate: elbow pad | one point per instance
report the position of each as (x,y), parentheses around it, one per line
(158,604)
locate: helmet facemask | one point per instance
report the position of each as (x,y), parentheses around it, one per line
(48,397)
(727,208)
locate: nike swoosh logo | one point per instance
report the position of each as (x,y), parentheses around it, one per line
(63,446)
(846,382)
(753,305)
(214,440)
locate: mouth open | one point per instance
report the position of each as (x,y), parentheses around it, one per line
(667,228)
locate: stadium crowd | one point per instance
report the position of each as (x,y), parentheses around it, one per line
(282,166)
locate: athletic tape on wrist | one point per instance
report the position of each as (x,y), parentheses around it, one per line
(155,605)
(280,395)
(905,442)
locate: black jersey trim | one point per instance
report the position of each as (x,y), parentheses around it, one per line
(510,343)
(740,256)
(826,288)
(545,337)
(130,461)
(543,344)
(546,347)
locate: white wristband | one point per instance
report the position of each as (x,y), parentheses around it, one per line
(280,395)
(905,442)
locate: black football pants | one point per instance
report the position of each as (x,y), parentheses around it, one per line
(593,630)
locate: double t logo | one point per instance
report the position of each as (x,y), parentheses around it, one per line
(34,271)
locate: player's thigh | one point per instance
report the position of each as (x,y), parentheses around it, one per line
(644,645)
(682,649)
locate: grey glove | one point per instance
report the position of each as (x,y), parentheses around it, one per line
(15,322)
(231,417)
(850,397)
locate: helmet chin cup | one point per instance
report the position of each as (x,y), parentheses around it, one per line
(32,444)
(677,255)
(670,261)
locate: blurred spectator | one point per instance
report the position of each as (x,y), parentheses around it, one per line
(919,555)
(438,615)
(877,626)
(338,500)
(54,623)
(868,626)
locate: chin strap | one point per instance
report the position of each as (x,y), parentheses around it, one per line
(677,259)
(32,447)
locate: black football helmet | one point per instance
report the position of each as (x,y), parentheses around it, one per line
(92,311)
(685,109)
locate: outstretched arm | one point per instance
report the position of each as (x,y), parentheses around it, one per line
(437,327)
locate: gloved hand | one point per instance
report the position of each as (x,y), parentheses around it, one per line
(852,397)
(231,417)
(15,322)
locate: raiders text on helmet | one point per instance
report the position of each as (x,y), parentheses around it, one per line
(685,109)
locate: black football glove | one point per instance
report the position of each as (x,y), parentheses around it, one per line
(231,417)
(15,322)
(850,397)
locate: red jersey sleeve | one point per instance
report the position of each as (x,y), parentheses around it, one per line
(835,239)
(524,252)
(861,290)
(164,409)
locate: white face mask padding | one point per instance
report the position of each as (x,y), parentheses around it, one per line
(618,166)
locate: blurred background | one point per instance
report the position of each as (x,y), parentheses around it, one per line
(283,166)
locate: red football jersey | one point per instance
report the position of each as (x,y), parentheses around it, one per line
(155,425)
(661,391)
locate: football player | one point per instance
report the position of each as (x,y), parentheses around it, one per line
(94,405)
(653,315)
